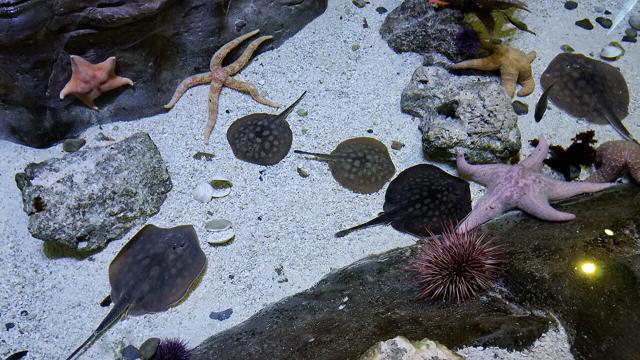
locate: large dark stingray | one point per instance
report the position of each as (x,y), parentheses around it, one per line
(422,197)
(152,272)
(588,88)
(262,139)
(360,164)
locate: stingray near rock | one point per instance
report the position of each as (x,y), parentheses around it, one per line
(152,272)
(589,89)
(361,164)
(422,197)
(262,139)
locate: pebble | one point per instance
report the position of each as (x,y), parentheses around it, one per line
(629,39)
(604,22)
(148,348)
(613,51)
(381,9)
(355,47)
(396,145)
(359,3)
(631,32)
(130,353)
(24,313)
(9,326)
(302,172)
(599,9)
(570,5)
(370,131)
(222,315)
(240,24)
(634,21)
(201,155)
(302,112)
(585,24)
(567,48)
(73,145)
(521,108)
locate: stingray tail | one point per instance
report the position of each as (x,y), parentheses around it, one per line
(318,155)
(119,309)
(384,218)
(283,115)
(620,128)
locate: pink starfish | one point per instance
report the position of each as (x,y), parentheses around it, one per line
(521,186)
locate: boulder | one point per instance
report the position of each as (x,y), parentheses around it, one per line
(400,348)
(89,197)
(157,44)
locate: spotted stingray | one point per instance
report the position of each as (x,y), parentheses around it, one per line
(152,272)
(262,139)
(361,164)
(422,197)
(588,88)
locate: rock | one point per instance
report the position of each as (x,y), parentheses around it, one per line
(130,353)
(462,114)
(567,48)
(157,43)
(629,39)
(634,21)
(585,24)
(221,315)
(397,145)
(381,10)
(570,5)
(355,47)
(148,348)
(302,172)
(604,22)
(87,198)
(521,108)
(302,112)
(359,3)
(599,9)
(400,348)
(8,326)
(416,26)
(631,32)
(73,145)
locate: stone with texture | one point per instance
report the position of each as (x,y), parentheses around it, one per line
(92,196)
(471,115)
(157,42)
(400,348)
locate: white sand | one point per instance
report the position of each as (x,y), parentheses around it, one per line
(349,92)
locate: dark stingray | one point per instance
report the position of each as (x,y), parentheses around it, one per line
(262,139)
(422,197)
(588,88)
(360,164)
(152,272)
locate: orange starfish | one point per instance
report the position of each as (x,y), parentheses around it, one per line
(514,66)
(88,81)
(220,76)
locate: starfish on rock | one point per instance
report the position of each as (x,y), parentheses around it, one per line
(615,157)
(521,186)
(220,76)
(514,66)
(88,81)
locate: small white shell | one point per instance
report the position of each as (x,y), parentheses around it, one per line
(220,232)
(203,192)
(613,51)
(221,187)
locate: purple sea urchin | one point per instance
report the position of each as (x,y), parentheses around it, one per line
(467,41)
(172,349)
(455,267)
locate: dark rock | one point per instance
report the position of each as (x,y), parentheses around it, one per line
(521,108)
(148,348)
(604,22)
(417,26)
(631,32)
(462,114)
(73,145)
(130,353)
(567,48)
(157,44)
(359,3)
(570,5)
(201,155)
(94,195)
(8,326)
(607,12)
(585,24)
(24,313)
(381,9)
(629,39)
(221,315)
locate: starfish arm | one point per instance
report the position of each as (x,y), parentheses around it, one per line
(187,83)
(216,59)
(604,174)
(439,2)
(558,190)
(482,174)
(214,94)
(509,78)
(486,64)
(528,85)
(536,204)
(488,207)
(115,82)
(248,88)
(531,56)
(67,89)
(534,161)
(87,100)
(243,60)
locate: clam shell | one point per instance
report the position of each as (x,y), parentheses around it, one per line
(613,51)
(220,232)
(221,186)
(203,192)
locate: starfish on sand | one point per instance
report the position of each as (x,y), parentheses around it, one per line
(88,81)
(514,66)
(521,186)
(615,157)
(219,76)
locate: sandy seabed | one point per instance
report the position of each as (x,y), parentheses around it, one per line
(281,220)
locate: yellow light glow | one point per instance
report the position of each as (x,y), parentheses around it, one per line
(608,232)
(588,268)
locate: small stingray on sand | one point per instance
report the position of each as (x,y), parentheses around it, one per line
(422,197)
(588,88)
(262,139)
(152,272)
(361,164)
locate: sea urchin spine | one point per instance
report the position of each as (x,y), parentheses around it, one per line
(455,267)
(172,349)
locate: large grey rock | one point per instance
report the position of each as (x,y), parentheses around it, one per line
(416,26)
(462,114)
(401,348)
(157,44)
(87,198)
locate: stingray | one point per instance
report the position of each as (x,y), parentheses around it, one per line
(151,273)
(422,197)
(589,89)
(361,164)
(262,139)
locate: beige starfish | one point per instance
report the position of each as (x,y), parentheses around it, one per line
(514,66)
(220,76)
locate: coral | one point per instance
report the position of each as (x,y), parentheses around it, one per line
(455,266)
(172,349)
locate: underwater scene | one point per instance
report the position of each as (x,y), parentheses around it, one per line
(319,179)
